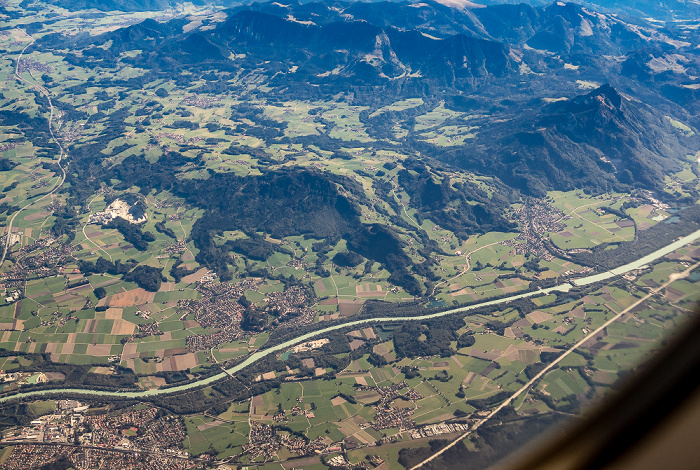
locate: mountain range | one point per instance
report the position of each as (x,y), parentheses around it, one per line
(564,96)
(660,9)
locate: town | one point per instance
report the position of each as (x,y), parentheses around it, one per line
(141,437)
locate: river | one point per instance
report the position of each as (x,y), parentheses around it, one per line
(300,339)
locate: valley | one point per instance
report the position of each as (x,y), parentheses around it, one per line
(285,172)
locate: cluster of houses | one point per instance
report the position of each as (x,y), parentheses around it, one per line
(296,410)
(33,456)
(536,218)
(292,305)
(200,102)
(220,308)
(265,440)
(178,247)
(387,415)
(45,263)
(392,417)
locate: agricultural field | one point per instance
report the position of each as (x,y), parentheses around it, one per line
(508,347)
(458,282)
(161,226)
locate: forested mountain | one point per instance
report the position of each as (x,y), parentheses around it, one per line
(549,97)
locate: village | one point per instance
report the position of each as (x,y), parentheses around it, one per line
(221,307)
(46,263)
(266,440)
(535,220)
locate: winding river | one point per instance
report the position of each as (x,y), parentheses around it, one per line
(300,339)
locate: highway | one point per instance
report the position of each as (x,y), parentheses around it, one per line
(256,356)
(551,365)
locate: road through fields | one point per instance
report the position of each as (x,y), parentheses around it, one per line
(61,153)
(552,364)
(287,344)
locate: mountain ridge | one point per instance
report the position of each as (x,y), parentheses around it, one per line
(597,138)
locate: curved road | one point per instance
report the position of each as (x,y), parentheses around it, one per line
(61,153)
(88,238)
(467,267)
(266,352)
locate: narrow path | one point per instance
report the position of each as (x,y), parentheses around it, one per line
(597,203)
(551,365)
(336,287)
(393,191)
(573,211)
(599,226)
(184,233)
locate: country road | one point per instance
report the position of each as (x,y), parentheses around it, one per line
(467,267)
(61,153)
(88,238)
(565,287)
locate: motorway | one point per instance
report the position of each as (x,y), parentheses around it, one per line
(551,365)
(565,287)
